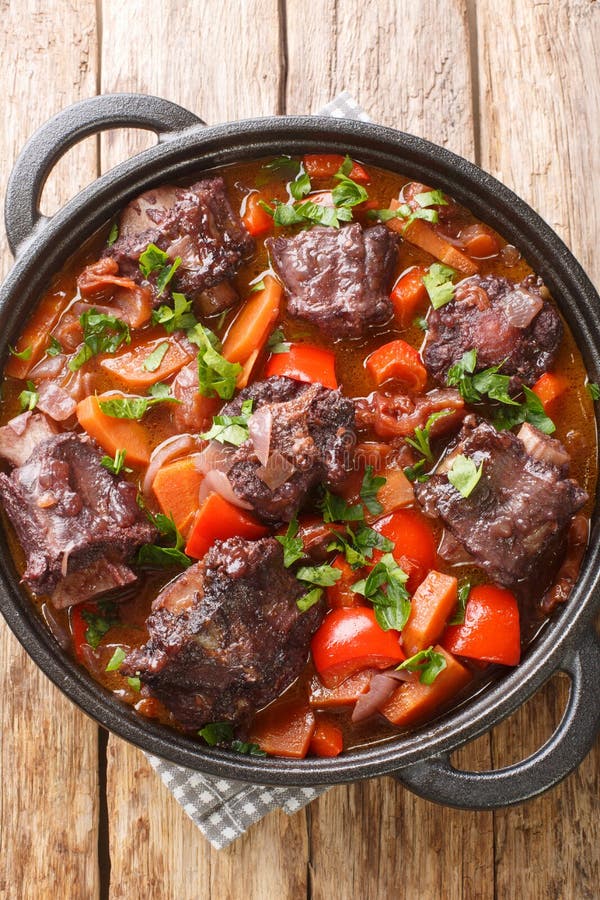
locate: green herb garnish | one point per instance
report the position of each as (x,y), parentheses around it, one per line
(116,659)
(116,465)
(231,429)
(420,441)
(156,556)
(385,588)
(152,260)
(429,663)
(277,342)
(293,548)
(154,359)
(98,624)
(21,354)
(593,390)
(101,334)
(131,407)
(438,282)
(463,595)
(29,397)
(464,475)
(179,317)
(54,347)
(370,487)
(113,234)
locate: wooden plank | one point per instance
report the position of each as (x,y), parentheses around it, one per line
(155,849)
(539,134)
(48,756)
(408,65)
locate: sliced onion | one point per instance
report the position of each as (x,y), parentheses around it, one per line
(49,367)
(218,483)
(55,401)
(176,445)
(214,456)
(19,423)
(260,425)
(521,307)
(277,471)
(541,447)
(381,687)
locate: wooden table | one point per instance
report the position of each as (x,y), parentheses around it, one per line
(513,85)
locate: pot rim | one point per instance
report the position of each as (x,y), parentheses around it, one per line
(54,240)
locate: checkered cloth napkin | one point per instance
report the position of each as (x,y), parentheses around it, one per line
(223,810)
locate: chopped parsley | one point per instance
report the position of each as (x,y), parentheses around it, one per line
(54,347)
(308,212)
(531,410)
(431,198)
(134,683)
(335,509)
(293,547)
(416,473)
(259,286)
(247,748)
(113,234)
(116,465)
(309,599)
(428,663)
(300,186)
(385,588)
(358,546)
(347,193)
(321,576)
(277,342)
(28,398)
(22,354)
(464,475)
(405,214)
(157,556)
(593,390)
(421,322)
(476,387)
(99,623)
(369,490)
(154,359)
(178,317)
(152,260)
(126,407)
(463,595)
(101,334)
(160,391)
(216,375)
(439,285)
(116,660)
(231,429)
(222,733)
(420,441)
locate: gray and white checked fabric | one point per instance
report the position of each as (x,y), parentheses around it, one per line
(222,809)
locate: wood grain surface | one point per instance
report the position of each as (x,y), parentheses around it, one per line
(514,86)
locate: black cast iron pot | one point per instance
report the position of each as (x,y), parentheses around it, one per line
(186,147)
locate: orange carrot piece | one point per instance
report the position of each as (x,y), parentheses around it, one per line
(396,493)
(424,236)
(176,487)
(36,335)
(253,323)
(114,434)
(244,376)
(481,244)
(284,729)
(255,218)
(327,739)
(549,388)
(217,519)
(400,361)
(345,694)
(128,366)
(413,701)
(430,607)
(409,294)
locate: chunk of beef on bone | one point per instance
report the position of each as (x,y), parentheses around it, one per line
(69,512)
(509,325)
(197,224)
(310,441)
(226,636)
(20,436)
(515,521)
(337,278)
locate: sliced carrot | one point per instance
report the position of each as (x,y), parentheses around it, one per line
(400,361)
(341,593)
(345,694)
(549,388)
(409,295)
(430,608)
(176,487)
(244,377)
(413,701)
(36,334)
(396,493)
(130,365)
(284,729)
(218,520)
(114,434)
(325,165)
(255,218)
(480,241)
(423,235)
(253,323)
(327,739)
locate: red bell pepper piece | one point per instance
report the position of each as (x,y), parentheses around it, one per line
(218,520)
(305,362)
(491,630)
(255,218)
(415,543)
(349,640)
(400,361)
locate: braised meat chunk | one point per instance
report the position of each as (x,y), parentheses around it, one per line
(226,637)
(508,324)
(70,512)
(196,224)
(310,435)
(339,279)
(514,522)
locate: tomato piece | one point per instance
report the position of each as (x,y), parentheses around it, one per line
(409,295)
(549,388)
(415,543)
(255,218)
(284,729)
(349,640)
(400,361)
(218,520)
(327,739)
(325,165)
(341,594)
(305,362)
(491,631)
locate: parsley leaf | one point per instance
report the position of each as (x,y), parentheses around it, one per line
(247,748)
(531,410)
(22,354)
(347,192)
(385,588)
(54,347)
(135,683)
(231,429)
(463,595)
(293,548)
(593,390)
(420,441)
(156,556)
(29,398)
(309,599)
(277,342)
(179,317)
(154,359)
(160,391)
(113,234)
(438,283)
(429,663)
(335,509)
(474,386)
(217,733)
(421,322)
(369,489)
(116,465)
(131,407)
(324,576)
(259,286)
(300,186)
(307,213)
(358,546)
(464,475)
(101,334)
(216,376)
(431,198)
(153,259)
(98,624)
(282,165)
(416,473)
(116,660)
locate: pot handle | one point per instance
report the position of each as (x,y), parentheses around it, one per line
(437,780)
(43,150)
